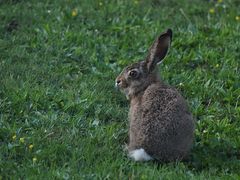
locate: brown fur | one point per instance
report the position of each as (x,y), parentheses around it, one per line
(160,121)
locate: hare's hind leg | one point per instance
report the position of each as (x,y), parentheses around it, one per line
(140,155)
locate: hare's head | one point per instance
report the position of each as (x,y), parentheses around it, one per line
(136,77)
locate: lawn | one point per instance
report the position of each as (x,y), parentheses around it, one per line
(60,116)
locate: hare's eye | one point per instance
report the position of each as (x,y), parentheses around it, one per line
(133,73)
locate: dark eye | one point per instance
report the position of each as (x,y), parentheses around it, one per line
(133,73)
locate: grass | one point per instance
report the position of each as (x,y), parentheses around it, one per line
(60,116)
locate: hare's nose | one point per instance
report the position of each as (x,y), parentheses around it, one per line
(118,82)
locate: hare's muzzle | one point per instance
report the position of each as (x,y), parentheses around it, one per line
(118,83)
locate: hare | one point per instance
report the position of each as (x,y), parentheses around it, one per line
(161,125)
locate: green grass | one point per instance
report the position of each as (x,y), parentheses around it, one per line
(57,75)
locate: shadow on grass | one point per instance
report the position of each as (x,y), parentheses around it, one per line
(220,157)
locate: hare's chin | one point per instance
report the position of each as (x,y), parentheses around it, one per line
(126,92)
(140,155)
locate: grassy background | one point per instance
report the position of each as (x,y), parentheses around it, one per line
(60,116)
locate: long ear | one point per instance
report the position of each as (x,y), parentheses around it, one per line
(159,50)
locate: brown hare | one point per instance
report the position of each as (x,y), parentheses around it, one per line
(161,125)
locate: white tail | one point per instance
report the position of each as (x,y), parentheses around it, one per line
(140,155)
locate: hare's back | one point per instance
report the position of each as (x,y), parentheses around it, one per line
(163,103)
(162,95)
(170,126)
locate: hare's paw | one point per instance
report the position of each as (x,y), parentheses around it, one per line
(140,155)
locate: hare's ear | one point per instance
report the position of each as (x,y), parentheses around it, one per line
(159,50)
